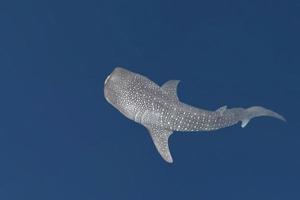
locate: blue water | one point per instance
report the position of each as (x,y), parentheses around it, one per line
(60,139)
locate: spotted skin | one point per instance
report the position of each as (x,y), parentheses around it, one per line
(160,111)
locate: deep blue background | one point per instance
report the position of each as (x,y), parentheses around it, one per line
(60,139)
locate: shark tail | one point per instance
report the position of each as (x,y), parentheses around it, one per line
(258,111)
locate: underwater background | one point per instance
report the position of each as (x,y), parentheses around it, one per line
(60,139)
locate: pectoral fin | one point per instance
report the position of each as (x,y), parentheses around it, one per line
(160,138)
(170,87)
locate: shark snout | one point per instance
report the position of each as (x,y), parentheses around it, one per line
(107,78)
(112,85)
(116,75)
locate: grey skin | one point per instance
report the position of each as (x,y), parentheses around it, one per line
(160,111)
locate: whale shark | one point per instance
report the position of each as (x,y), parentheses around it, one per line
(159,109)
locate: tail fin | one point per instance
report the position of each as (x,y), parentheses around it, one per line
(257,111)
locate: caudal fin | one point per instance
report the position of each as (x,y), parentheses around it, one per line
(258,111)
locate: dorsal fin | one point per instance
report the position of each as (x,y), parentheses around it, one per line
(221,110)
(160,138)
(170,87)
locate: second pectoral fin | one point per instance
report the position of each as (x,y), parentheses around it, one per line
(160,138)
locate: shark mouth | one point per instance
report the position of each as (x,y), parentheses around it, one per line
(107,79)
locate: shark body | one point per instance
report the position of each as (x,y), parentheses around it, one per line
(159,110)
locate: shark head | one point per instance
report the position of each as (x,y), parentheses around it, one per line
(116,87)
(128,92)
